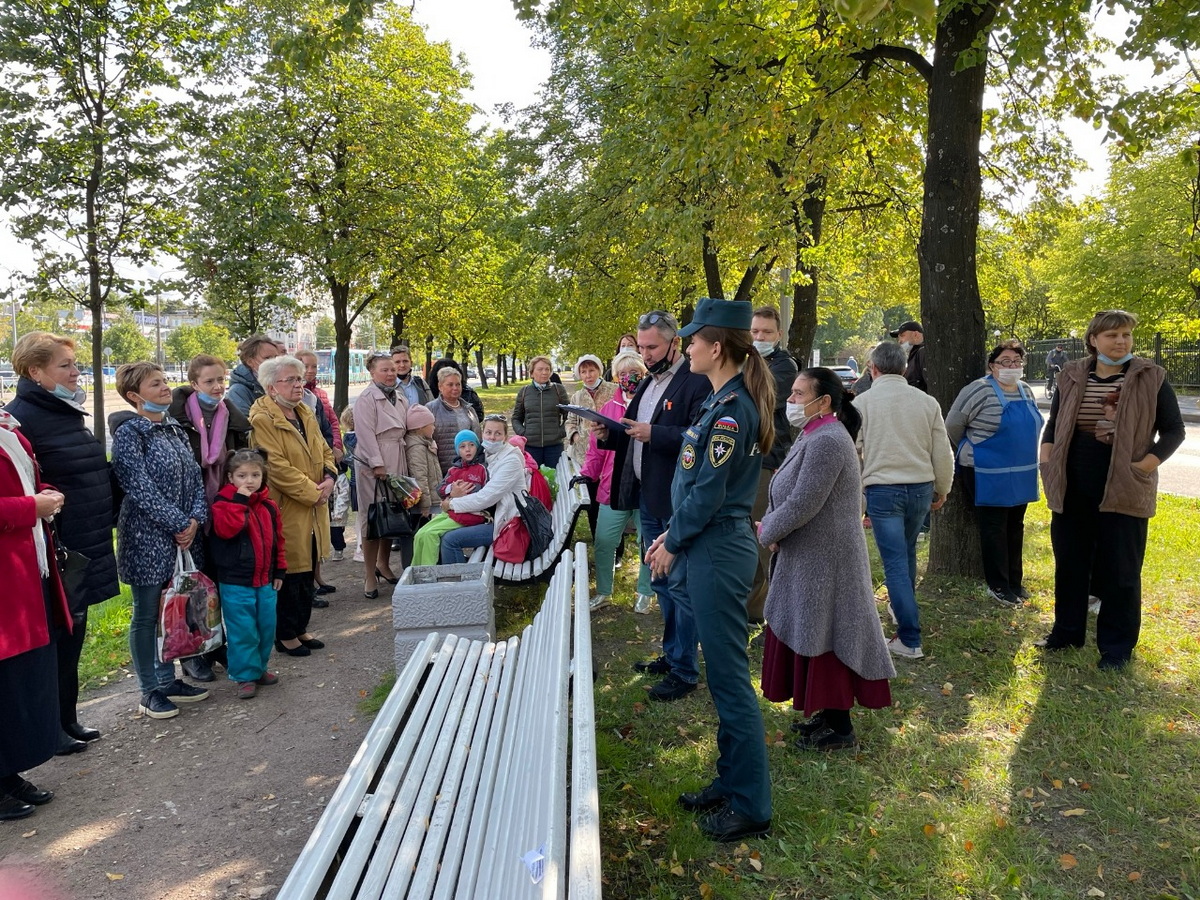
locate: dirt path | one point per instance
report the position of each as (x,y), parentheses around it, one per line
(217,802)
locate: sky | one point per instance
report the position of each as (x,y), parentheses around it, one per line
(507,68)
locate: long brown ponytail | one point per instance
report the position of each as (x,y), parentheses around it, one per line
(738,347)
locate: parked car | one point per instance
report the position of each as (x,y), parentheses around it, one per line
(847,374)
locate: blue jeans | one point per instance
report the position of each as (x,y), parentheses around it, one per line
(143,628)
(679,623)
(546,456)
(897,512)
(453,542)
(610,525)
(249,615)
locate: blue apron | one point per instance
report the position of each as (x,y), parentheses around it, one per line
(1006,464)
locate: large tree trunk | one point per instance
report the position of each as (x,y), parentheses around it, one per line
(808,219)
(339,293)
(712,266)
(483,382)
(951,311)
(398,316)
(429,357)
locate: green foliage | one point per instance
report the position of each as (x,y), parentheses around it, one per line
(127,342)
(188,341)
(326,336)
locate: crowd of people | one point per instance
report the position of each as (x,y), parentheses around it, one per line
(743,478)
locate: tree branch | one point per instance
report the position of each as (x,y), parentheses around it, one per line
(870,56)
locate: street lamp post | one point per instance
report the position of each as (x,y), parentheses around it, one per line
(158,325)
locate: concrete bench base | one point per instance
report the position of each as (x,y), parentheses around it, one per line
(458,599)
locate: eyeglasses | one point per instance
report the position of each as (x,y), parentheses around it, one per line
(653,318)
(295,379)
(1010,363)
(495,417)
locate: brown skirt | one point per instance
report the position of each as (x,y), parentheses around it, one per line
(817,683)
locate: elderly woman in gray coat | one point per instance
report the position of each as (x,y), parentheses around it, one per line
(824,648)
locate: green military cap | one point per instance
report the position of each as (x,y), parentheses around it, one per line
(719,314)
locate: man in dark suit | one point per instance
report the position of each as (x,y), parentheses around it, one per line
(666,403)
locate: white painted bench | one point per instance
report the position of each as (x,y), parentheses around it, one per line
(567,505)
(481,758)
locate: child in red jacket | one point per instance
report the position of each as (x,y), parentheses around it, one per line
(468,466)
(247,549)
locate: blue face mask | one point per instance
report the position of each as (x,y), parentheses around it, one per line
(206,399)
(152,407)
(63,393)
(1114,362)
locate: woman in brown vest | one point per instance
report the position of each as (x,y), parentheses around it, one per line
(1113,421)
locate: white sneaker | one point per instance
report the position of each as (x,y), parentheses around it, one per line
(358,557)
(1094,605)
(645,602)
(599,602)
(336,555)
(896,647)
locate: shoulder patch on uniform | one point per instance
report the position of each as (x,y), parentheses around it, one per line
(728,397)
(691,434)
(726,423)
(687,456)
(720,449)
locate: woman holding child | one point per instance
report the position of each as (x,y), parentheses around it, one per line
(301,476)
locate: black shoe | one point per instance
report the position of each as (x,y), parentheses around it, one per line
(827,739)
(81,732)
(671,688)
(810,726)
(703,799)
(293,651)
(726,825)
(320,603)
(1054,642)
(656,666)
(157,706)
(179,691)
(326,589)
(11,808)
(312,644)
(371,595)
(383,577)
(1111,663)
(197,668)
(1020,591)
(68,745)
(29,793)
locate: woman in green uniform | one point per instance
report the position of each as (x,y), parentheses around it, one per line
(710,553)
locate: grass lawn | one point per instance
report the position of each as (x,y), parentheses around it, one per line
(999,772)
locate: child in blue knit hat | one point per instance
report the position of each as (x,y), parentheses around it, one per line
(468,466)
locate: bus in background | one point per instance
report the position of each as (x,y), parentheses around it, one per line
(358,366)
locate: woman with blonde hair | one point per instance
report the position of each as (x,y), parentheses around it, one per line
(536,415)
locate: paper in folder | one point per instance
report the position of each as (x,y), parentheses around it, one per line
(586,412)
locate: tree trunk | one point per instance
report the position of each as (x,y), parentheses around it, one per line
(398,316)
(483,382)
(808,219)
(951,311)
(429,354)
(95,295)
(339,293)
(712,266)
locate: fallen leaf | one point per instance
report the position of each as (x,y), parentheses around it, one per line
(705,890)
(1027,793)
(1134,876)
(677,869)
(1068,861)
(639,707)
(113,876)
(947,689)
(1095,892)
(929,830)
(1067,813)
(1057,782)
(969,846)
(29,834)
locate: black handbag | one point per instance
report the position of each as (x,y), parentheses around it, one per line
(538,522)
(72,566)
(386,516)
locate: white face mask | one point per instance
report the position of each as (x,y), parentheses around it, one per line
(1009,376)
(763,347)
(795,413)
(591,385)
(907,345)
(490,447)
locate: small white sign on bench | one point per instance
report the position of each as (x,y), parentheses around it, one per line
(456,598)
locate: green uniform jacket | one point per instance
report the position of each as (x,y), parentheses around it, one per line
(716,475)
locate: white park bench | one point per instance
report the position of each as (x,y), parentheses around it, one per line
(478,777)
(565,512)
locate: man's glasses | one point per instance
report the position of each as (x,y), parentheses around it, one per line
(495,417)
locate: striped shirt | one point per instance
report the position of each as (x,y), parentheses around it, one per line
(976,414)
(1095,394)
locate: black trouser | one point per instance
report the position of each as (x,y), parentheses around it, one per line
(70,648)
(1001,537)
(294,606)
(1100,551)
(762,574)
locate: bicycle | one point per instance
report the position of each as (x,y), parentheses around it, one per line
(1052,381)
